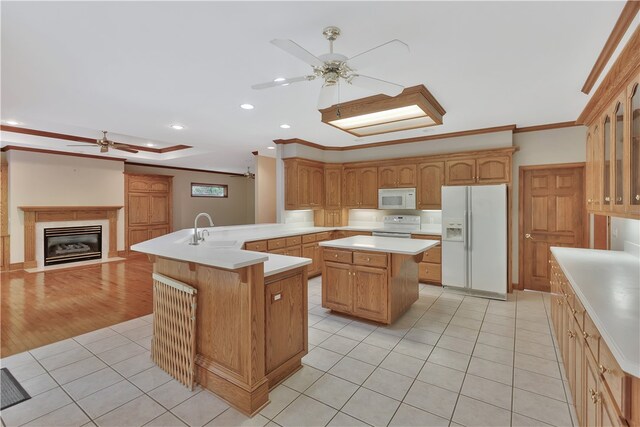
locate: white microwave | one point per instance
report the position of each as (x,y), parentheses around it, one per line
(397,198)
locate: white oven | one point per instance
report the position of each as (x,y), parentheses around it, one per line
(397,198)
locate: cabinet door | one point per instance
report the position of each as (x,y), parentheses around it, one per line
(607,135)
(406,176)
(284,320)
(617,164)
(308,251)
(137,235)
(159,211)
(293,251)
(596,150)
(368,184)
(609,416)
(578,395)
(370,292)
(387,176)
(590,392)
(158,231)
(430,181)
(332,188)
(570,350)
(316,187)
(290,185)
(138,209)
(589,170)
(493,170)
(350,194)
(304,186)
(460,172)
(632,180)
(317,258)
(336,287)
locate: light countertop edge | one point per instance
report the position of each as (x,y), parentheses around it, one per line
(382,244)
(631,367)
(281,263)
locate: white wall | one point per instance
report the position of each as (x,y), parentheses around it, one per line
(565,145)
(236,209)
(623,232)
(39,179)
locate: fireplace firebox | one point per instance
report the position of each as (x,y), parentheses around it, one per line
(71,244)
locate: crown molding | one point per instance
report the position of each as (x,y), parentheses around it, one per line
(60,153)
(549,126)
(182,169)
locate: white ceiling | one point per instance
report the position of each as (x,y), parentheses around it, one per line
(134,68)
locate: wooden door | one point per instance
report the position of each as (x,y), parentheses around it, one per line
(368,184)
(370,292)
(388,176)
(304,186)
(332,188)
(460,172)
(290,185)
(430,181)
(336,286)
(350,193)
(284,312)
(138,209)
(406,175)
(609,416)
(552,214)
(493,170)
(293,251)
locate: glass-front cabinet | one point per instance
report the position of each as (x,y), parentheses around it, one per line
(606,163)
(618,156)
(633,150)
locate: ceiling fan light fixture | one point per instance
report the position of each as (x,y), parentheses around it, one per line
(414,108)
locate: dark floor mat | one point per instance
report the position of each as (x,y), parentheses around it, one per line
(11,392)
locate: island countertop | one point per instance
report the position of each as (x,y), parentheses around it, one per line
(393,245)
(608,286)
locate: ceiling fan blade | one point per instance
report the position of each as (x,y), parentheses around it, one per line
(298,51)
(77,145)
(124,148)
(385,53)
(285,82)
(328,96)
(376,85)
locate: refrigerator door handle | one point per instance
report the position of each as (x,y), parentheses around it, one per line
(469,222)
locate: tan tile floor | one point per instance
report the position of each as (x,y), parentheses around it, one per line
(450,360)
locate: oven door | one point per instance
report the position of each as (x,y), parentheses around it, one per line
(391,199)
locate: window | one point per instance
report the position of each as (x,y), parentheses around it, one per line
(209,190)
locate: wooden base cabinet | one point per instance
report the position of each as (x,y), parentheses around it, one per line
(430,267)
(603,394)
(148,207)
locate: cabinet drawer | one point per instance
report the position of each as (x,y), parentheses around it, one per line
(259,246)
(433,255)
(613,375)
(292,241)
(337,255)
(578,313)
(591,336)
(372,260)
(430,272)
(293,251)
(326,235)
(309,238)
(276,243)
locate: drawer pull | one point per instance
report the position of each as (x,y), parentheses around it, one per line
(573,311)
(594,396)
(585,335)
(602,369)
(571,334)
(277,297)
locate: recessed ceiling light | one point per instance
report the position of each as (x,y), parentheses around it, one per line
(279,79)
(285,84)
(12,122)
(177,127)
(285,126)
(150,144)
(246,106)
(271,148)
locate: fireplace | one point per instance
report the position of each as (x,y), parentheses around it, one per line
(70,244)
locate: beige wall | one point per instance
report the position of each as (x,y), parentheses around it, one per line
(38,179)
(265,191)
(236,209)
(566,145)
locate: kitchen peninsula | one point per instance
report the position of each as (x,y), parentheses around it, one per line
(375,278)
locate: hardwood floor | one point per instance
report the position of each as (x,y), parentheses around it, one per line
(42,308)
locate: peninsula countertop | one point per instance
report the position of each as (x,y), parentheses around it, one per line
(392,245)
(608,285)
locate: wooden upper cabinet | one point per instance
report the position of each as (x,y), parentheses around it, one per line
(138,206)
(316,187)
(460,172)
(493,170)
(303,184)
(290,184)
(333,187)
(430,181)
(632,149)
(607,135)
(395,176)
(620,121)
(360,189)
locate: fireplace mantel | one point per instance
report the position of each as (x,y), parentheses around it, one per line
(33,214)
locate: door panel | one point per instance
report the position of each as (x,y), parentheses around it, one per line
(370,292)
(350,193)
(430,182)
(368,186)
(387,176)
(336,287)
(138,209)
(461,172)
(332,188)
(406,175)
(494,170)
(553,215)
(159,209)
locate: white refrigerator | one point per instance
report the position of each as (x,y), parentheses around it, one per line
(474,239)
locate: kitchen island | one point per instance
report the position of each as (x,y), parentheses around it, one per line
(374,278)
(250,329)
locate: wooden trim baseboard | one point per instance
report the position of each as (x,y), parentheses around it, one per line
(625,19)
(549,126)
(75,138)
(60,153)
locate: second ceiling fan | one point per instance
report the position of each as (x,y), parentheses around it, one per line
(334,67)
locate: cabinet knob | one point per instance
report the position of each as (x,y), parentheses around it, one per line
(589,201)
(602,369)
(637,197)
(607,199)
(594,396)
(585,335)
(368,259)
(335,256)
(571,334)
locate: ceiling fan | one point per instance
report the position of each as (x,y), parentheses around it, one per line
(247,174)
(334,67)
(104,143)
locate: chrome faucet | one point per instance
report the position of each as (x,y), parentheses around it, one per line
(196,237)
